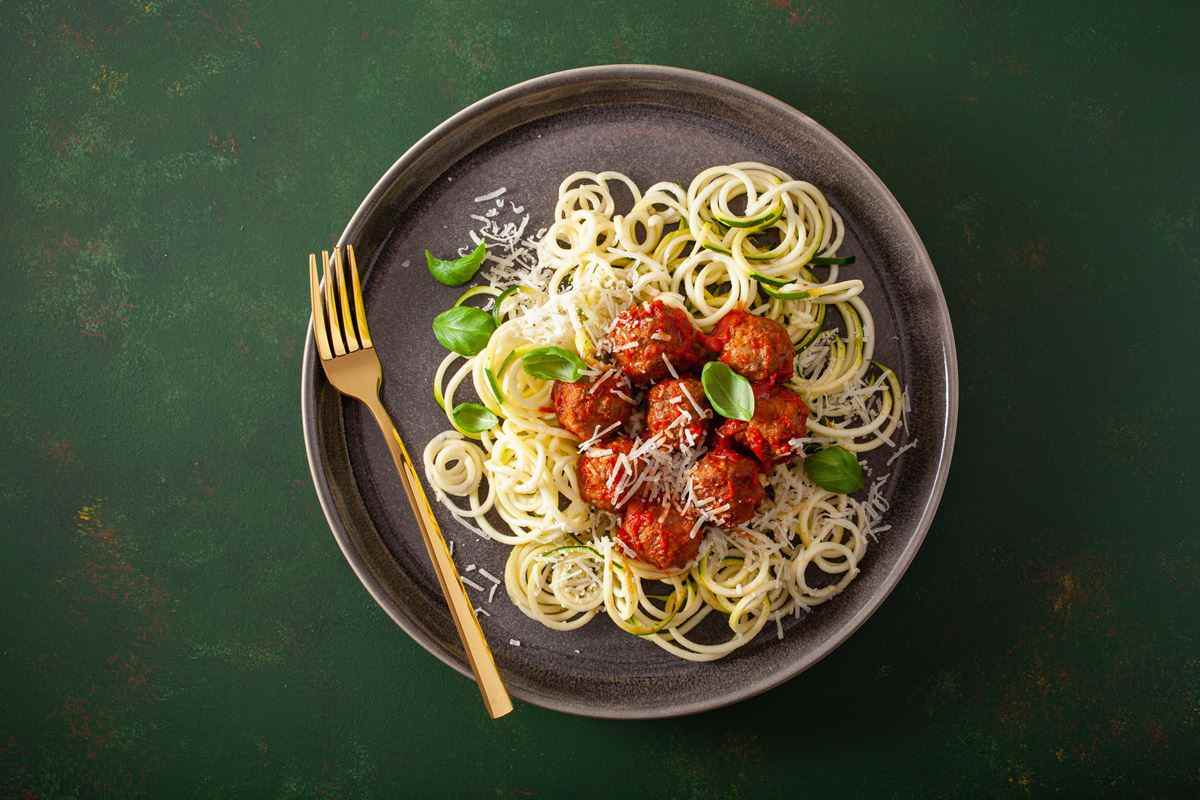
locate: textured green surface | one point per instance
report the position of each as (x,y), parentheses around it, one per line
(177,621)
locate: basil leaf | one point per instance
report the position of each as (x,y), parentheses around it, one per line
(474,418)
(729,393)
(554,364)
(458,271)
(463,329)
(835,469)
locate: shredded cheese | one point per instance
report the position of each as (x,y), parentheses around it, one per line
(670,367)
(483,198)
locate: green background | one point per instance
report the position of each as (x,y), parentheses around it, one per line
(177,620)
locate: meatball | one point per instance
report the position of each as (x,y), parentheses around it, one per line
(597,482)
(643,335)
(725,485)
(780,416)
(586,411)
(660,534)
(671,412)
(756,347)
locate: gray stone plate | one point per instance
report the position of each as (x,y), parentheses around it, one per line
(651,123)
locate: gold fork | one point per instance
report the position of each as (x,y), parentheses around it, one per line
(352,367)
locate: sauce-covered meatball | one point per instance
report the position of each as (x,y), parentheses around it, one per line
(725,485)
(780,416)
(660,534)
(756,347)
(642,335)
(586,412)
(604,476)
(677,410)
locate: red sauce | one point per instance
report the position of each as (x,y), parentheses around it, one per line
(757,348)
(660,535)
(716,340)
(657,330)
(780,415)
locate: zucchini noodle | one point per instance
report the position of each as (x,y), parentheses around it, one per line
(708,249)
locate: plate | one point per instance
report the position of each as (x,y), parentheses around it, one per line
(652,123)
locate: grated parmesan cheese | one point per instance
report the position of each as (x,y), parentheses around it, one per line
(597,435)
(670,367)
(483,198)
(700,412)
(901,451)
(607,374)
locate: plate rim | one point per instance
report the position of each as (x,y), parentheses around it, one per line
(608,72)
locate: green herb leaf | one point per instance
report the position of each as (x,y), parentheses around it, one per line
(729,393)
(835,469)
(474,418)
(457,271)
(464,329)
(554,364)
(825,261)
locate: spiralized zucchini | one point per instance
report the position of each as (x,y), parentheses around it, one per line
(708,249)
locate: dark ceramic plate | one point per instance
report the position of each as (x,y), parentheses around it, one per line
(651,123)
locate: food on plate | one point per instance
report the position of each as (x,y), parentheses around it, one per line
(678,412)
(776,431)
(587,407)
(725,485)
(653,340)
(757,348)
(668,399)
(659,533)
(606,472)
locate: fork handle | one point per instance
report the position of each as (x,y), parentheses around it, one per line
(479,653)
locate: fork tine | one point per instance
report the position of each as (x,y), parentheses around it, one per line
(347,320)
(364,334)
(335,327)
(318,315)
